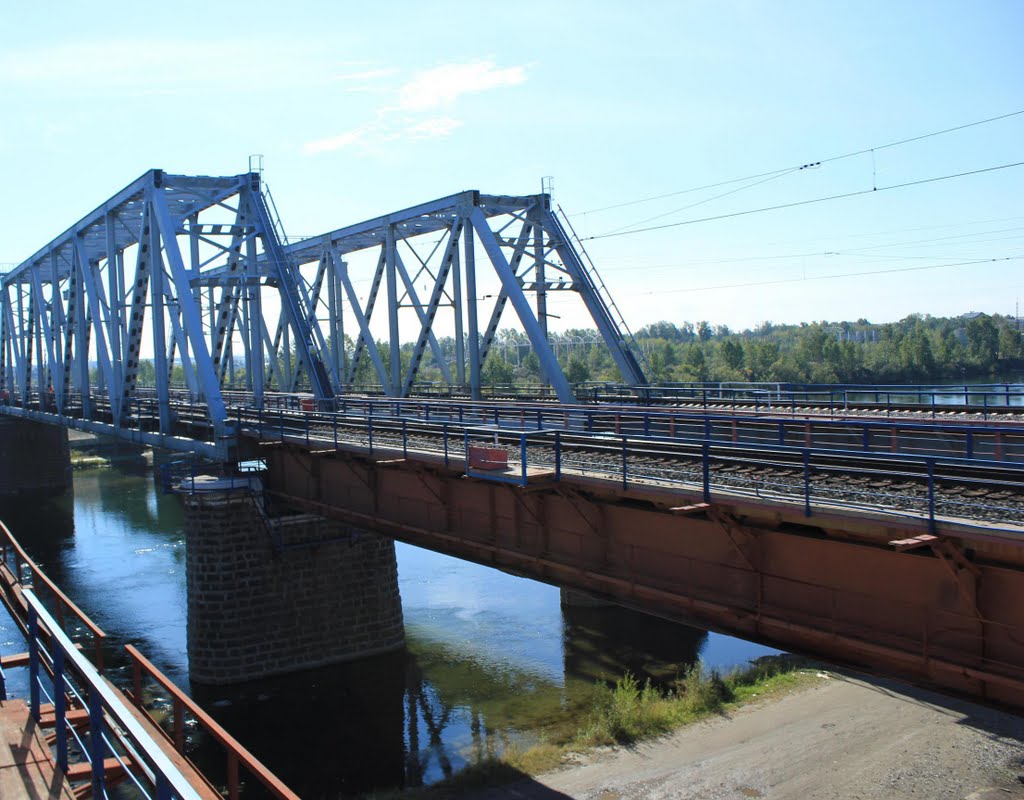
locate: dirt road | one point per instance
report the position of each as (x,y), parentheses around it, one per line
(844,738)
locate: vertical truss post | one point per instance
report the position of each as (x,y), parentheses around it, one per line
(5,341)
(38,307)
(254,325)
(460,344)
(139,292)
(335,318)
(159,281)
(115,266)
(548,362)
(471,308)
(57,335)
(391,269)
(81,329)
(190,314)
(538,258)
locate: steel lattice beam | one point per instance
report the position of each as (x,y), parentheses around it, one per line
(165,273)
(520,239)
(186,283)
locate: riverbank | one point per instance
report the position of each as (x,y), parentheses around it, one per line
(840,737)
(91,450)
(628,712)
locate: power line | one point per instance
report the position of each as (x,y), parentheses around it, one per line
(832,277)
(808,165)
(845,251)
(804,202)
(702,202)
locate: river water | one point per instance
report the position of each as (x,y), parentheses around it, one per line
(491,660)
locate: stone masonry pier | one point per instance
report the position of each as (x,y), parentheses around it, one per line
(269,596)
(34,457)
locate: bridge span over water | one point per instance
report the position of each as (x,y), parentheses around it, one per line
(893,544)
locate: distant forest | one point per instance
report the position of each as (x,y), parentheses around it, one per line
(916,349)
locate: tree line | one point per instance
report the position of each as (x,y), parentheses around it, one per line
(917,349)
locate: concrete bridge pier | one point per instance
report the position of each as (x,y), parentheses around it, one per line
(269,596)
(34,457)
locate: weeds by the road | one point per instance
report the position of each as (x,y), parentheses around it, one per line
(629,712)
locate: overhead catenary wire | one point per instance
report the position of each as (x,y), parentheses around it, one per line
(806,165)
(844,251)
(811,201)
(705,200)
(802,279)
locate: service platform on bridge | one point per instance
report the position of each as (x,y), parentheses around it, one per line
(26,765)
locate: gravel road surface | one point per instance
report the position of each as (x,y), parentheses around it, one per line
(846,737)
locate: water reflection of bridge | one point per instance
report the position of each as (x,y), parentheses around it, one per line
(420,715)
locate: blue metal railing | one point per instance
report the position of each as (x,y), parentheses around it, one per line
(113,736)
(705,463)
(969,440)
(984,398)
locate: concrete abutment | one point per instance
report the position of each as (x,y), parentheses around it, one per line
(268,596)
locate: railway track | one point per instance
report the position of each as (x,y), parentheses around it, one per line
(952,489)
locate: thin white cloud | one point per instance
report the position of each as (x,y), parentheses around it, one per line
(340,142)
(408,115)
(443,85)
(433,128)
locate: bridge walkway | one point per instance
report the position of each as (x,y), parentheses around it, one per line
(26,767)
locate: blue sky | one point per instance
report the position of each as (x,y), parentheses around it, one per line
(361,109)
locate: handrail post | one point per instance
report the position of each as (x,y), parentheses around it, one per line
(60,708)
(179,725)
(931,496)
(522,456)
(233,785)
(405,438)
(625,480)
(706,469)
(33,662)
(807,482)
(558,455)
(136,681)
(96,746)
(97,644)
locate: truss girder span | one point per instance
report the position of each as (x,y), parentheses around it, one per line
(102,325)
(185,286)
(449,265)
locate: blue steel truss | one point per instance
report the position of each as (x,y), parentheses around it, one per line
(195,276)
(525,247)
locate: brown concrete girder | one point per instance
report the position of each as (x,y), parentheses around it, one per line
(833,588)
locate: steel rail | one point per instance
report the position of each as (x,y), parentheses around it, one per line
(922,488)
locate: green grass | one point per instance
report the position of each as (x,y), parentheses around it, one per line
(629,712)
(81,460)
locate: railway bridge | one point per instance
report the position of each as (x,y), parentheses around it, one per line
(884,537)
